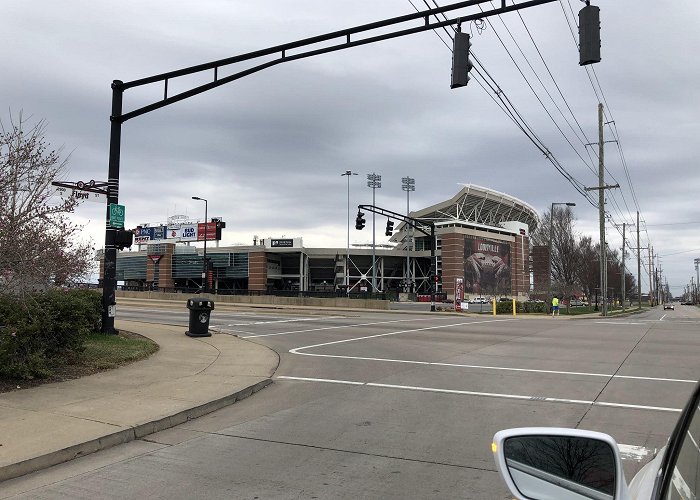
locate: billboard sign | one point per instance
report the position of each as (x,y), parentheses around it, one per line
(282,243)
(486,266)
(183,232)
(208,228)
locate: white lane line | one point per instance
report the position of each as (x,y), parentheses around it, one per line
(500,368)
(662,317)
(291,320)
(617,323)
(336,327)
(636,453)
(297,349)
(486,394)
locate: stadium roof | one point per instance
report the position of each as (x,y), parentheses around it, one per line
(482,206)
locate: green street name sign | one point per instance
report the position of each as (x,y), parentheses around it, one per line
(116,215)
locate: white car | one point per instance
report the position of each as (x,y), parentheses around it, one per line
(550,463)
(669,306)
(480,300)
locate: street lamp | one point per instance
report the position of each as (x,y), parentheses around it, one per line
(408,184)
(374,181)
(206,227)
(348,173)
(551,237)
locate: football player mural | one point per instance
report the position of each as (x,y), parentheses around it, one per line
(486,266)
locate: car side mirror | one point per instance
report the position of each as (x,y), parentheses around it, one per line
(551,463)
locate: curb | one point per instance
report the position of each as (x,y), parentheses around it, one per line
(124,436)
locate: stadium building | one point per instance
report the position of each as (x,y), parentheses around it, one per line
(481,249)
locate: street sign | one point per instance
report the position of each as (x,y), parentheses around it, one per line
(116,215)
(65,192)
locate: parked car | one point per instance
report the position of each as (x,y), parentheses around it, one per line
(558,463)
(669,306)
(576,303)
(479,300)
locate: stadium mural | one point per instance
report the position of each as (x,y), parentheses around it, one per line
(486,266)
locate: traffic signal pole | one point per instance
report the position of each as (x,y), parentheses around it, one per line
(304,48)
(109,280)
(416,224)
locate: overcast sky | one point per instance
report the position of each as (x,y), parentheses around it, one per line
(268,151)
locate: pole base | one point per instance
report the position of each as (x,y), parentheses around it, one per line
(190,334)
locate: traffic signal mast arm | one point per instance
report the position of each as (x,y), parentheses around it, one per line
(427,228)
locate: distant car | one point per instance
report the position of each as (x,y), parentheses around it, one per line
(479,300)
(669,306)
(576,303)
(505,299)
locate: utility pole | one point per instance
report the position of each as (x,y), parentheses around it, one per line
(651,256)
(697,272)
(639,268)
(601,212)
(624,242)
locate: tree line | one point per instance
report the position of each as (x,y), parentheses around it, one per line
(575,259)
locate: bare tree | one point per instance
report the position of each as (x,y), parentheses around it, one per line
(565,258)
(38,246)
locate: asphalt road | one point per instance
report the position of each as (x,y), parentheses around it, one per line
(402,405)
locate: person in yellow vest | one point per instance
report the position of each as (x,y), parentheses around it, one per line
(555,305)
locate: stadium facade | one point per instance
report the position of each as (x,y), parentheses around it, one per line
(481,246)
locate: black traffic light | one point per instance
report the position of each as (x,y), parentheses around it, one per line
(461,65)
(389,227)
(589,35)
(123,239)
(360,221)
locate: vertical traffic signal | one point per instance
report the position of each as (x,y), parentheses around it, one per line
(389,227)
(589,35)
(360,220)
(461,65)
(123,239)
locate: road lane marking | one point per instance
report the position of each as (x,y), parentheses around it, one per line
(617,323)
(336,327)
(662,317)
(291,320)
(636,453)
(544,399)
(297,349)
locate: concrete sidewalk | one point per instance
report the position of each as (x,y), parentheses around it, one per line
(185,379)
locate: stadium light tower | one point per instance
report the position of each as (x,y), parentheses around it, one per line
(374,181)
(408,184)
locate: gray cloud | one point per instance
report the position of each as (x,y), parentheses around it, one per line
(268,150)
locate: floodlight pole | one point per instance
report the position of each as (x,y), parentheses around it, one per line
(348,174)
(408,184)
(205,273)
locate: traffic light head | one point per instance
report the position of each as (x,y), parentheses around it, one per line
(123,239)
(589,35)
(389,227)
(360,220)
(461,65)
